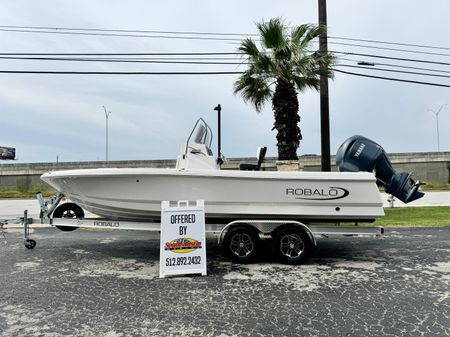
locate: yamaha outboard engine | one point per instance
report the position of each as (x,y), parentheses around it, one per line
(361,154)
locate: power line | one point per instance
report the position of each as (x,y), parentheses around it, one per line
(127,54)
(202,63)
(182,58)
(119,35)
(146,31)
(129,31)
(397,66)
(50,72)
(392,79)
(119,60)
(390,57)
(211,36)
(45,72)
(388,43)
(88,32)
(41,56)
(392,70)
(194,61)
(389,49)
(165,61)
(170,54)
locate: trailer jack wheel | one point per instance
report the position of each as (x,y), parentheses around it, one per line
(291,246)
(30,244)
(241,244)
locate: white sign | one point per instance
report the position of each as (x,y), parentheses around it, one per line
(183,246)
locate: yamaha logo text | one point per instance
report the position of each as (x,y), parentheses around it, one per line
(331,193)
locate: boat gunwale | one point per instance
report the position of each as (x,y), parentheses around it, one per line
(235,174)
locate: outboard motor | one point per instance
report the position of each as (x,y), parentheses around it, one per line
(361,154)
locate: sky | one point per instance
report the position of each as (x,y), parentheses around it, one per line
(61,117)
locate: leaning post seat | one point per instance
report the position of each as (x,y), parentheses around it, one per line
(260,155)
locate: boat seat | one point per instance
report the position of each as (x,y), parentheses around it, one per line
(255,167)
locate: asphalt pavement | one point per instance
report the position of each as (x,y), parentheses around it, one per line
(105,283)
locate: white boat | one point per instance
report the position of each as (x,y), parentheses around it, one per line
(240,205)
(136,193)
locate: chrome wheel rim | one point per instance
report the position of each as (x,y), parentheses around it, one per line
(292,246)
(241,245)
(69,214)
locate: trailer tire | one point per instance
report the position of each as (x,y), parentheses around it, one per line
(30,244)
(291,245)
(241,244)
(68,210)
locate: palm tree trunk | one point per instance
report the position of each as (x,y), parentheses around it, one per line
(285,109)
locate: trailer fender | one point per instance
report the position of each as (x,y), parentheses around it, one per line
(267,227)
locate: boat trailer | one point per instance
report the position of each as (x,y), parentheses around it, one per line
(292,241)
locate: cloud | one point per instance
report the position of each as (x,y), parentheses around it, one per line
(152,115)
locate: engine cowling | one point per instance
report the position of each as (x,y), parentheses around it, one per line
(359,153)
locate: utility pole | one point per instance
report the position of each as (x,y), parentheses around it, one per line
(324,99)
(436,114)
(107,113)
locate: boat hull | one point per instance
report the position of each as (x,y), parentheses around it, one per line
(136,194)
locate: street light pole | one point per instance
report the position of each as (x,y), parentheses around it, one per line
(436,114)
(107,113)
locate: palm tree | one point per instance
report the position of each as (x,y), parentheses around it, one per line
(279,70)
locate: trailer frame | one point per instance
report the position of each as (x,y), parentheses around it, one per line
(290,237)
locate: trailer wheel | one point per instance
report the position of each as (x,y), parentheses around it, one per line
(30,244)
(291,246)
(241,244)
(68,210)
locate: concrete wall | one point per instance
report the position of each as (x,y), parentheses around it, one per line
(27,175)
(428,167)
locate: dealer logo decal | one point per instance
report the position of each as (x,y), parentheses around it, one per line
(331,193)
(183,245)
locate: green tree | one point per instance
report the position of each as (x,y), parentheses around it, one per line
(283,66)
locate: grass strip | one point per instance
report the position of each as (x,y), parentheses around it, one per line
(427,216)
(19,193)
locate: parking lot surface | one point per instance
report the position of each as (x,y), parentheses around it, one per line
(105,283)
